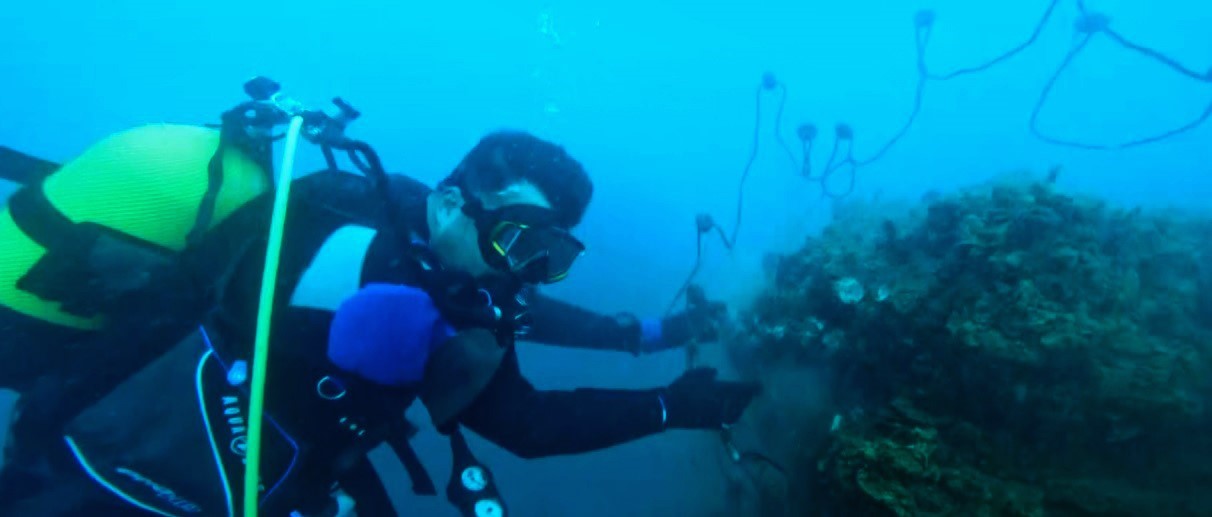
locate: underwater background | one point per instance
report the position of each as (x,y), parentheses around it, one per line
(657,100)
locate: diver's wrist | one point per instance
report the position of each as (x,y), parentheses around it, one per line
(630,333)
(651,332)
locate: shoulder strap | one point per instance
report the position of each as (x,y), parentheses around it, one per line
(364,485)
(22,168)
(38,219)
(232,131)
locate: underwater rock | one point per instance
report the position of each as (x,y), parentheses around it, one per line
(848,290)
(1030,347)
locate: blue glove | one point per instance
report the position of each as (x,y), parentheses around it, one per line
(651,334)
(698,325)
(385,333)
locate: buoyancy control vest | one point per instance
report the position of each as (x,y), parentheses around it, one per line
(323,421)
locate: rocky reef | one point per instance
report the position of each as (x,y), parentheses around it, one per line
(1004,350)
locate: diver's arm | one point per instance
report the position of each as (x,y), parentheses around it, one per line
(530,423)
(560,323)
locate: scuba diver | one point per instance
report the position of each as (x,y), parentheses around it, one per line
(129,282)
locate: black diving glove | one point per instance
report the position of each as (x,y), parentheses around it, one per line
(696,400)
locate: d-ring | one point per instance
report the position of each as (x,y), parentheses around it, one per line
(329,388)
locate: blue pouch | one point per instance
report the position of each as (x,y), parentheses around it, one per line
(385,334)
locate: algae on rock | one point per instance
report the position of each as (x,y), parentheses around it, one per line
(1046,344)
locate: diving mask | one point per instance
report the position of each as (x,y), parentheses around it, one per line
(524,241)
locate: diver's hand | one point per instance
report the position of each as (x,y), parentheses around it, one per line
(698,324)
(696,400)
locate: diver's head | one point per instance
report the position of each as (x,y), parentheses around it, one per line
(507,209)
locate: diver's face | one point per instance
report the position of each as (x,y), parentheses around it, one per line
(452,234)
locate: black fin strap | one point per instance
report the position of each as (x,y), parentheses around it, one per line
(39,220)
(422,484)
(363,484)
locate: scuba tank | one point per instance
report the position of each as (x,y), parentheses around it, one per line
(97,228)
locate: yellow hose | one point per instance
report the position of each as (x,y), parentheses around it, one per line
(265,309)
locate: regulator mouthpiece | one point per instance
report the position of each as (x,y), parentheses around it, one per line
(696,296)
(806,132)
(924,18)
(769,82)
(844,132)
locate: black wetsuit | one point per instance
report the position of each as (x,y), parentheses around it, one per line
(510,411)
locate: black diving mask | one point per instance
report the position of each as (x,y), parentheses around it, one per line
(524,241)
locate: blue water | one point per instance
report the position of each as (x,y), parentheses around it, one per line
(657,101)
